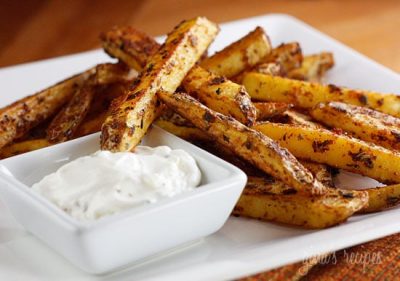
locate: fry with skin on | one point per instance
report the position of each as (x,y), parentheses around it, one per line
(288,55)
(240,55)
(20,117)
(124,127)
(23,147)
(267,110)
(367,124)
(304,94)
(108,73)
(336,150)
(271,200)
(217,92)
(249,144)
(381,198)
(313,67)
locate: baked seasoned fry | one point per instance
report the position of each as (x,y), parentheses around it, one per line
(381,198)
(267,110)
(126,126)
(367,124)
(336,150)
(270,68)
(182,131)
(307,95)
(288,55)
(220,94)
(245,142)
(107,73)
(91,125)
(321,172)
(214,91)
(18,118)
(129,45)
(240,55)
(66,122)
(313,67)
(22,147)
(271,200)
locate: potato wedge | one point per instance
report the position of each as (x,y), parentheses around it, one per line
(184,132)
(321,172)
(313,67)
(381,198)
(270,68)
(214,91)
(240,55)
(367,124)
(336,150)
(272,200)
(220,94)
(288,55)
(108,73)
(266,110)
(259,150)
(66,122)
(129,45)
(22,147)
(307,95)
(18,118)
(124,128)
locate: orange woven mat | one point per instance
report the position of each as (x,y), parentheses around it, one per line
(376,260)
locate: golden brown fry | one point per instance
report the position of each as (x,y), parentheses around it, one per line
(22,147)
(64,125)
(125,127)
(321,172)
(18,118)
(214,91)
(270,68)
(240,55)
(381,198)
(220,94)
(288,55)
(91,125)
(266,110)
(182,131)
(365,123)
(313,67)
(336,150)
(272,200)
(129,45)
(107,73)
(307,95)
(245,142)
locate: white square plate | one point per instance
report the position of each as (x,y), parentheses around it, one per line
(242,246)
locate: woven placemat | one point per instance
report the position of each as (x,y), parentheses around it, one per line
(376,260)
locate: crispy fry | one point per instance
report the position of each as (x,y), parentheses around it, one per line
(108,73)
(313,67)
(214,91)
(288,55)
(22,147)
(266,110)
(270,68)
(240,55)
(64,125)
(129,45)
(336,150)
(125,127)
(321,172)
(307,95)
(245,142)
(182,131)
(271,200)
(18,118)
(91,125)
(381,198)
(365,123)
(220,94)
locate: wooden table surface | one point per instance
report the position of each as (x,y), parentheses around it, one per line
(33,29)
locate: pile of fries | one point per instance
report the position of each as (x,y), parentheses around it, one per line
(262,108)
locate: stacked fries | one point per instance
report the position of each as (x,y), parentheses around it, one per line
(256,106)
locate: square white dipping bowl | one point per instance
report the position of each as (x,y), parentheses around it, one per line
(115,241)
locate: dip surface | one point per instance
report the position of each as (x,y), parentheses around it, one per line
(106,183)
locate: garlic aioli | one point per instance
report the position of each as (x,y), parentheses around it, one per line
(106,183)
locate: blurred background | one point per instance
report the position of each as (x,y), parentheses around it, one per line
(38,29)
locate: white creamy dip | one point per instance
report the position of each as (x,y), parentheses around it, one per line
(105,183)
